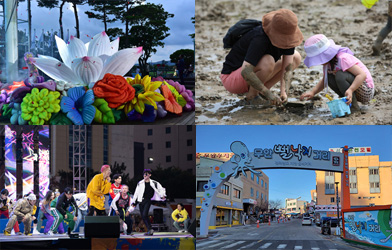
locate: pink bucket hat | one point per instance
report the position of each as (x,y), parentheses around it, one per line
(319,50)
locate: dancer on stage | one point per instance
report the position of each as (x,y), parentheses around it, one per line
(22,212)
(96,190)
(147,190)
(81,201)
(61,212)
(122,207)
(180,215)
(6,206)
(46,210)
(114,189)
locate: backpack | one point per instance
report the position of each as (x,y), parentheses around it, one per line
(238,30)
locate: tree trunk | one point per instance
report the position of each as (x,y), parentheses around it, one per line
(104,20)
(126,27)
(61,20)
(29,21)
(76,20)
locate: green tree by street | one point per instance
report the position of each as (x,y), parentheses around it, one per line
(148,29)
(188,56)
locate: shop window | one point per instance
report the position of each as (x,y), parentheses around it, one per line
(200,186)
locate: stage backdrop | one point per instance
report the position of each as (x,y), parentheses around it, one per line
(28,159)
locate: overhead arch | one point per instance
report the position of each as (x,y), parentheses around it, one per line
(281,156)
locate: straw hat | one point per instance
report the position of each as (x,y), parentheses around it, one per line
(319,50)
(281,27)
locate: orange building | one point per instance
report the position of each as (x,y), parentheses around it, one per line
(370,183)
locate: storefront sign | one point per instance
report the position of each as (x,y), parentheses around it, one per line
(354,150)
(250,201)
(372,227)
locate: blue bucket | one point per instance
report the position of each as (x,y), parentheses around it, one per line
(339,107)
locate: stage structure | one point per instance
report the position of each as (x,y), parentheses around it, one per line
(26,154)
(79,161)
(279,157)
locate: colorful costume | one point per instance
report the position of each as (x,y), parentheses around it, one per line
(22,210)
(96,190)
(61,210)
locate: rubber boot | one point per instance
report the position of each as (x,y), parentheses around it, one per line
(377,45)
(354,104)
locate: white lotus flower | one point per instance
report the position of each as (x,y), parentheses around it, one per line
(87,63)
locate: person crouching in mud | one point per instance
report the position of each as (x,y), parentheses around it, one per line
(343,72)
(264,56)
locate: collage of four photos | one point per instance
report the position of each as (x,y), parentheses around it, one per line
(195,124)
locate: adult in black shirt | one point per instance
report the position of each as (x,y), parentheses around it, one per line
(264,56)
(61,213)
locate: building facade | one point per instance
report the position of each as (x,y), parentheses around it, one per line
(130,145)
(227,210)
(295,206)
(168,146)
(370,182)
(255,197)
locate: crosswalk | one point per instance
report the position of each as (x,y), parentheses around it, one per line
(265,244)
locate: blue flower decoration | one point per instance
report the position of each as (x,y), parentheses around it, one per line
(148,115)
(78,105)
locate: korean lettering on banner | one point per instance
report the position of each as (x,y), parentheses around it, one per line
(266,153)
(286,152)
(346,171)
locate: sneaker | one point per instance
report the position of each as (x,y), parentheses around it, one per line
(35,231)
(129,233)
(185,231)
(29,234)
(151,231)
(7,233)
(50,233)
(180,231)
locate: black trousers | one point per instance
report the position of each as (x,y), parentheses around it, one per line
(126,219)
(92,209)
(144,207)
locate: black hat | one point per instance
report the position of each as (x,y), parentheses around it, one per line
(68,190)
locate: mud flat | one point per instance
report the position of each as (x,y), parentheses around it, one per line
(347,22)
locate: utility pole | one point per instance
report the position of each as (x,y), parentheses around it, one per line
(337,203)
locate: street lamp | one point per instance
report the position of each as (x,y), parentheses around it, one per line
(337,202)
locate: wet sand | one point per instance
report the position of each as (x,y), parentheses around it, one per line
(347,22)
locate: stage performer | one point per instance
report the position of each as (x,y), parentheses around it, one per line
(6,205)
(61,212)
(114,190)
(22,212)
(147,190)
(96,190)
(121,205)
(81,201)
(180,215)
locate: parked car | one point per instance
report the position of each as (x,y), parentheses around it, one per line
(306,221)
(333,221)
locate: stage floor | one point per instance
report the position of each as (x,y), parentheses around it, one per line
(160,240)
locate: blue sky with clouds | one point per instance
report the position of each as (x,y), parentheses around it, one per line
(180,25)
(286,183)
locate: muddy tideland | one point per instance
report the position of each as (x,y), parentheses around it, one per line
(347,22)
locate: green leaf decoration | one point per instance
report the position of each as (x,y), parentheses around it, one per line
(103,113)
(60,119)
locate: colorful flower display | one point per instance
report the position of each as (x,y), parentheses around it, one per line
(89,87)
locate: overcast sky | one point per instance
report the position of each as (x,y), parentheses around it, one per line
(180,25)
